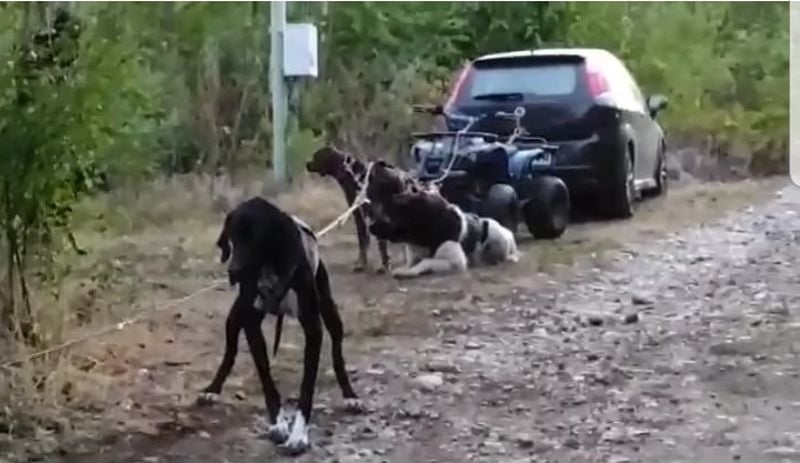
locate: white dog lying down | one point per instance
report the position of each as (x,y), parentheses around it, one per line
(440,238)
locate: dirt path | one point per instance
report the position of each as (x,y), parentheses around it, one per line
(680,348)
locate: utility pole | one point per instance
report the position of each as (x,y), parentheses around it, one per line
(278,89)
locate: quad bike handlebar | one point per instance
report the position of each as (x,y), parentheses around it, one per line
(519,112)
(438,110)
(449,134)
(520,134)
(516,115)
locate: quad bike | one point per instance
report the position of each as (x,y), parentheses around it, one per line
(494,177)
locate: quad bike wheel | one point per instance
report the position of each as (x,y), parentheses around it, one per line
(547,212)
(501,205)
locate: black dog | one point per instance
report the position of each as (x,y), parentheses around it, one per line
(350,174)
(275,261)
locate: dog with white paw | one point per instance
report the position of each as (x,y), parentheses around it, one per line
(274,259)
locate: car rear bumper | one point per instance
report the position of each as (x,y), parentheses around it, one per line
(586,165)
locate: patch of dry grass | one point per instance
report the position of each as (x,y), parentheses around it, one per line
(184,202)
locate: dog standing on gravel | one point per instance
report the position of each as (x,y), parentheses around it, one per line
(275,261)
(439,237)
(350,174)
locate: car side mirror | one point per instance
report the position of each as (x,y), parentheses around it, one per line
(655,104)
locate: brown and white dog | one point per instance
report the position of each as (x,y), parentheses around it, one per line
(439,236)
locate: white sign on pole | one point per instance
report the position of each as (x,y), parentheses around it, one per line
(300,50)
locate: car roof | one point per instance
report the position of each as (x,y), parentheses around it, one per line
(582,52)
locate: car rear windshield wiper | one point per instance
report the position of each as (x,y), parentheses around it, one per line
(499,96)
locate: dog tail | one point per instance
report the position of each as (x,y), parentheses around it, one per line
(278,329)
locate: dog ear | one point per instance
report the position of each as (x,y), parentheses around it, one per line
(224,242)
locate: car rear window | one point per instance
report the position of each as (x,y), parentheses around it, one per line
(547,80)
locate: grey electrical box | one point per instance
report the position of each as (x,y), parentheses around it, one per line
(300,50)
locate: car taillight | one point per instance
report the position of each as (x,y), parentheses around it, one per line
(459,87)
(596,82)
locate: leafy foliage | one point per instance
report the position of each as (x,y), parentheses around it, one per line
(61,118)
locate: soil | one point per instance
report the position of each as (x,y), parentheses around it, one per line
(671,337)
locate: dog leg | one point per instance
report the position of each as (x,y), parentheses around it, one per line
(410,258)
(424,267)
(233,325)
(413,255)
(384,252)
(449,257)
(309,318)
(278,431)
(363,241)
(333,322)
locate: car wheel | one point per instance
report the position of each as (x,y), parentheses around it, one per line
(622,194)
(501,205)
(548,210)
(662,176)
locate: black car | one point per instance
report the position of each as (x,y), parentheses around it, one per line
(610,146)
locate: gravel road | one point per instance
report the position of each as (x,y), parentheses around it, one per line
(679,349)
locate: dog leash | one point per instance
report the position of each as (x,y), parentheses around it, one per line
(116,327)
(361,199)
